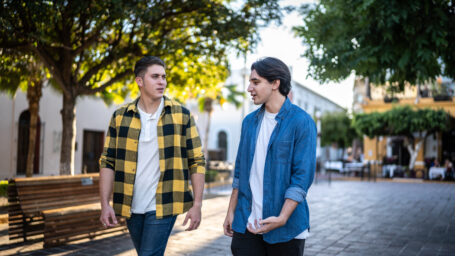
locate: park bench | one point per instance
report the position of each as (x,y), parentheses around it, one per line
(57,209)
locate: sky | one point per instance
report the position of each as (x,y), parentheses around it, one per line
(280,42)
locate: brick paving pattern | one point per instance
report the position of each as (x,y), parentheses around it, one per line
(347,218)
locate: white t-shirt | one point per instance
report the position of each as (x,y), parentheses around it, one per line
(257,170)
(148,163)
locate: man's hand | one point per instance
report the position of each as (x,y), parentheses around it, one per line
(228,224)
(194,215)
(267,225)
(107,217)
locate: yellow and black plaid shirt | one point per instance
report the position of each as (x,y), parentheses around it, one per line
(180,156)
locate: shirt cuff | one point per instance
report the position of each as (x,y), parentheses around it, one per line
(197,169)
(105,164)
(235,183)
(296,194)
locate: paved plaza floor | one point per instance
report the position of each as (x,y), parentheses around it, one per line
(347,218)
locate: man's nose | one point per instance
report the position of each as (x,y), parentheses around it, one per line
(250,88)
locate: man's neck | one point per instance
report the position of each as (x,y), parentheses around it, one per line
(149,105)
(273,105)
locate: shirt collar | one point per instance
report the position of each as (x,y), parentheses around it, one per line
(281,114)
(133,105)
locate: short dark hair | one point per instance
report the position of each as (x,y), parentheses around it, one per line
(274,69)
(141,65)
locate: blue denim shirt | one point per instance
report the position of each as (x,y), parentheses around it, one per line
(288,173)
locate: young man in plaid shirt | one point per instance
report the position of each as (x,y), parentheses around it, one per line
(151,151)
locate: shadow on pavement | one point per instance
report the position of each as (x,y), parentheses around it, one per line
(112,245)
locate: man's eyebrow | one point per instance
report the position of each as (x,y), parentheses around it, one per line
(254,79)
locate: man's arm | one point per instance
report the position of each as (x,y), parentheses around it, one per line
(273,222)
(196,165)
(106,183)
(230,213)
(197,181)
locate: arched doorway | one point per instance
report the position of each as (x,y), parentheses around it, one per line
(23,141)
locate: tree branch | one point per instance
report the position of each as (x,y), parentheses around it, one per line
(89,91)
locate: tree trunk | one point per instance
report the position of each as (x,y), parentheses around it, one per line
(68,134)
(207,132)
(414,152)
(34,94)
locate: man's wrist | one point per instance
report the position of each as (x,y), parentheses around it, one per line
(105,204)
(197,204)
(283,219)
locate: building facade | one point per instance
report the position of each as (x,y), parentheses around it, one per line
(436,95)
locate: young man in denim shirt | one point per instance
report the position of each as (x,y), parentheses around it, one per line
(276,160)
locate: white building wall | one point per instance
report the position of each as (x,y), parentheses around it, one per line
(91,114)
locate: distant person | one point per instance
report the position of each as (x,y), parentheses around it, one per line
(152,149)
(276,160)
(449,169)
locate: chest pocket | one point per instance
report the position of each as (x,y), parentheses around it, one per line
(284,151)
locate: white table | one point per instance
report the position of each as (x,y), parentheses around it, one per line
(334,165)
(436,171)
(353,166)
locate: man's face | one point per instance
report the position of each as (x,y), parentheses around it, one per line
(260,89)
(153,83)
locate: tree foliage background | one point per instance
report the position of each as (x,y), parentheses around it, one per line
(90,47)
(385,40)
(336,128)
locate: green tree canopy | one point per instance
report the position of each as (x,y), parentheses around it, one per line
(336,128)
(385,40)
(90,47)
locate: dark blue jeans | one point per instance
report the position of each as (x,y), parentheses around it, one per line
(149,234)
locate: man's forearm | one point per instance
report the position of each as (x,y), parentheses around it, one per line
(197,181)
(287,209)
(233,200)
(106,184)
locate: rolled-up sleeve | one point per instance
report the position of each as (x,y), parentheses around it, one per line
(196,160)
(107,159)
(303,161)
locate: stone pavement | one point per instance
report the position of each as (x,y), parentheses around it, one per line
(347,218)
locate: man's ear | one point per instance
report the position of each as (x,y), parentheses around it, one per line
(139,81)
(276,84)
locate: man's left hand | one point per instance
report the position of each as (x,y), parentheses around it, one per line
(267,225)
(194,215)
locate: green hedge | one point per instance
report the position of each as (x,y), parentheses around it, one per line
(3,187)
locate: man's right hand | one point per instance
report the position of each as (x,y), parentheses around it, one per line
(107,217)
(228,224)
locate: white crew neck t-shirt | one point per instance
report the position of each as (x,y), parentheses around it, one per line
(148,163)
(257,170)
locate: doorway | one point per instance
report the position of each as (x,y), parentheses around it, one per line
(92,149)
(23,142)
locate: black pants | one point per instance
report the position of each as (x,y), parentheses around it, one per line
(249,244)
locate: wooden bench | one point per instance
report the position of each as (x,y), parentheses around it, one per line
(56,209)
